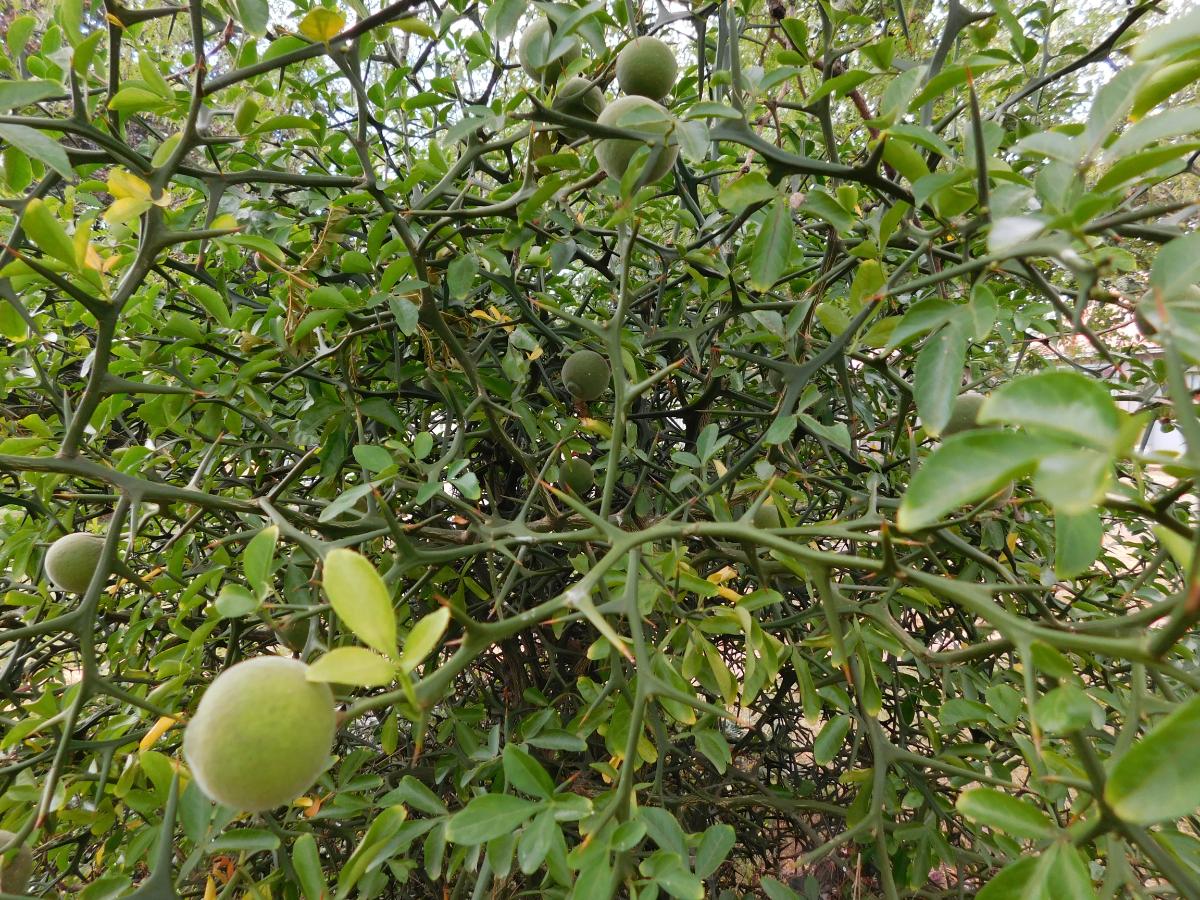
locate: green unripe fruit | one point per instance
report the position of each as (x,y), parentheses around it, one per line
(767,516)
(16,870)
(579,98)
(646,67)
(261,735)
(535,46)
(614,154)
(576,475)
(245,114)
(72,560)
(585,375)
(965,414)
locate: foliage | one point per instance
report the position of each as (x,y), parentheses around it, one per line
(287,293)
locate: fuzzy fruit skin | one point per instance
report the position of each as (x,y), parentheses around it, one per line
(261,734)
(72,559)
(646,67)
(540,31)
(965,414)
(614,154)
(577,476)
(585,375)
(579,98)
(15,873)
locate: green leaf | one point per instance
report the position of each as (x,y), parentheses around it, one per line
(921,317)
(15,94)
(1066,709)
(1179,32)
(1060,403)
(46,231)
(254,16)
(718,840)
(488,816)
(1077,540)
(503,16)
(244,840)
(373,457)
(526,774)
(938,376)
(748,190)
(536,840)
(460,275)
(306,860)
(414,792)
(234,601)
(135,99)
(1005,813)
(831,741)
(772,247)
(1061,872)
(424,638)
(352,665)
(1153,781)
(258,558)
(361,599)
(966,467)
(1073,481)
(1013,882)
(413,25)
(820,204)
(1176,268)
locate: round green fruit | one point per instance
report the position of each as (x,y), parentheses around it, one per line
(614,154)
(767,516)
(261,735)
(245,114)
(535,45)
(16,870)
(577,476)
(585,375)
(579,98)
(72,560)
(646,67)
(965,414)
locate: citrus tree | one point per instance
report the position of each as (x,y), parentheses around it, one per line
(506,448)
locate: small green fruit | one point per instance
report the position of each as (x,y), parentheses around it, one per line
(614,154)
(534,47)
(767,516)
(646,67)
(261,735)
(245,114)
(576,475)
(965,414)
(15,871)
(585,375)
(72,559)
(579,98)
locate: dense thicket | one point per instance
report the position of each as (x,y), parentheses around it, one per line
(760,462)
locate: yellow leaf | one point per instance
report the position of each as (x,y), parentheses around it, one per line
(92,259)
(125,210)
(723,575)
(729,594)
(122,185)
(322,24)
(161,727)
